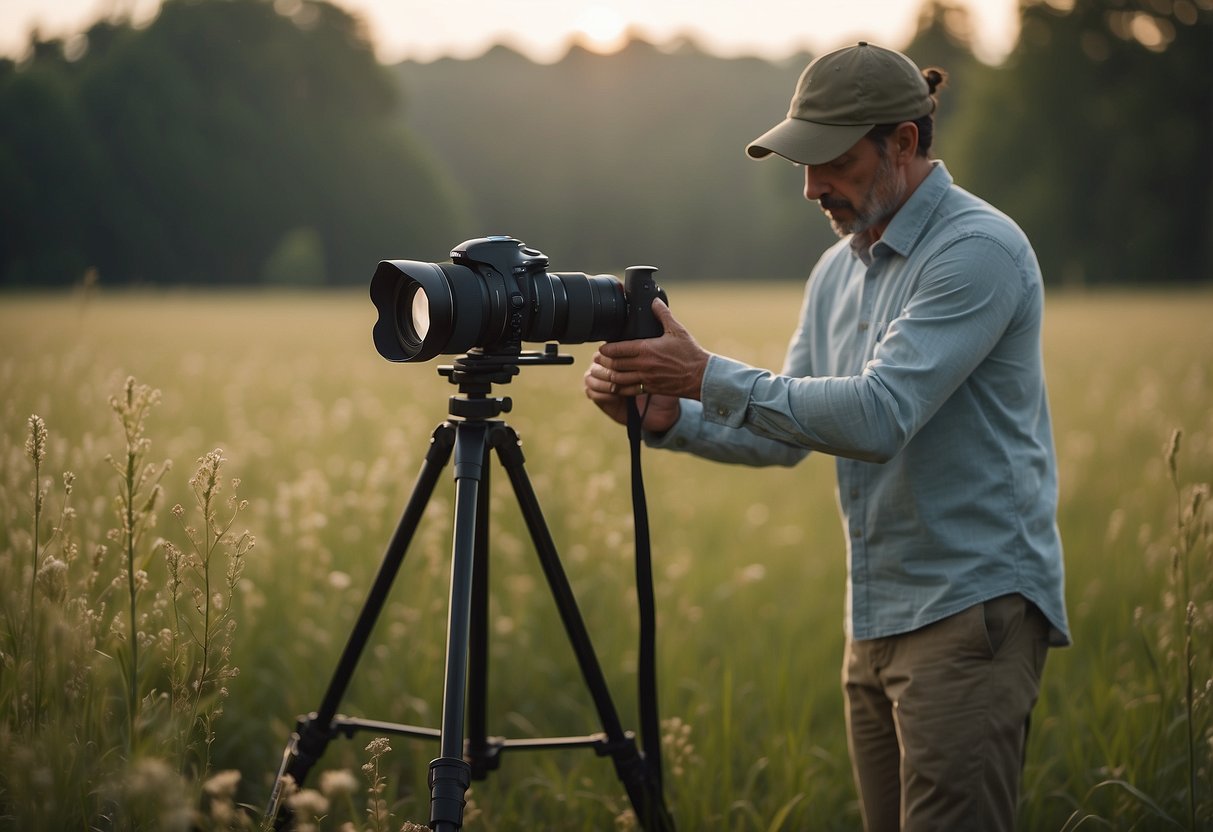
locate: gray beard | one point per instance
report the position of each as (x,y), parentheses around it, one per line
(880,202)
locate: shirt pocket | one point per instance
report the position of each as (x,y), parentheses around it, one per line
(876,333)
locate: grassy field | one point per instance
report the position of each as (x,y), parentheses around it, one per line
(120,707)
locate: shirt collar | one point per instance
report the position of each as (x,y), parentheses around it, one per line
(907,225)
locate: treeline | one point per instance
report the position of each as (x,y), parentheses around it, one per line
(230,143)
(637,157)
(224,143)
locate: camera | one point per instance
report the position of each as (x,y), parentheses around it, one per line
(496,293)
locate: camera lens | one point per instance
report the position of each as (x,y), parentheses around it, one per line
(420,312)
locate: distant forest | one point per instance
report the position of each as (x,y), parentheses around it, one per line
(228,143)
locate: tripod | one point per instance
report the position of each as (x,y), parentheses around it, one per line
(470,434)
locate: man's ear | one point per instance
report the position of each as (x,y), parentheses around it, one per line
(905,141)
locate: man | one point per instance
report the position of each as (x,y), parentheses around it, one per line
(916,363)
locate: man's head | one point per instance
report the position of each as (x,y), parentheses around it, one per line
(841,98)
(843,95)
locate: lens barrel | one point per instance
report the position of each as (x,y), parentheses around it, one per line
(574,307)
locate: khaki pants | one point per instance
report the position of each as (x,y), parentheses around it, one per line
(937,718)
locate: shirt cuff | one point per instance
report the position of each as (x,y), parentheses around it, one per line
(727,385)
(683,433)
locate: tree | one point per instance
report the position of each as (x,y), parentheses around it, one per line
(48,172)
(1095,134)
(944,39)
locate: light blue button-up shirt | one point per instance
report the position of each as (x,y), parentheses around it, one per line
(917,363)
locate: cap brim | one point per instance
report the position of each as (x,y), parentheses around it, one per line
(807,142)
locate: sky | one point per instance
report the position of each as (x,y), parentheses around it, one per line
(424,30)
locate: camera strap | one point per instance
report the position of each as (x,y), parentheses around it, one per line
(650,723)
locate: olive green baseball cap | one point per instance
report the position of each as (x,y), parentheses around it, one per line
(840,97)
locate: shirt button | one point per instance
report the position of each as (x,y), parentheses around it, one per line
(863,327)
(723,411)
(856,533)
(854,493)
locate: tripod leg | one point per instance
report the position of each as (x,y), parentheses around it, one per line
(450,774)
(482,757)
(313,733)
(644,791)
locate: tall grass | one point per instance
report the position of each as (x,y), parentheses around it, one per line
(120,701)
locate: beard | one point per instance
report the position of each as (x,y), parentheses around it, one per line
(882,200)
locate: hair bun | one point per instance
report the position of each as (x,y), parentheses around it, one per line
(936,78)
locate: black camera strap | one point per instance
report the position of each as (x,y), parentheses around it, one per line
(650,723)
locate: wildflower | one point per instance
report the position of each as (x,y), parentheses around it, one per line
(155,791)
(753,573)
(626,821)
(52,579)
(676,742)
(287,785)
(308,803)
(339,783)
(222,784)
(1200,493)
(376,810)
(206,482)
(1172,452)
(35,444)
(378,747)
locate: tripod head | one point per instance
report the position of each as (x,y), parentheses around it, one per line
(476,372)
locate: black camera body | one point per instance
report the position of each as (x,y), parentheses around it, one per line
(496,293)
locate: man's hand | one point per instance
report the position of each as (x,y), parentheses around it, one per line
(659,371)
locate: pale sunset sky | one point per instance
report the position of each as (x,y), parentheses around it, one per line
(427,29)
